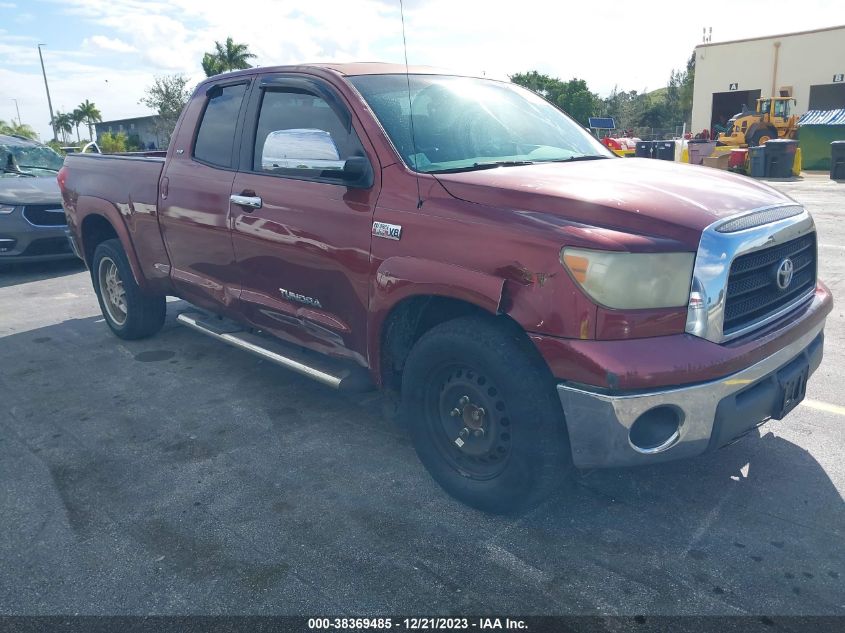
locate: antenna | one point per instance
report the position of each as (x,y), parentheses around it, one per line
(410,105)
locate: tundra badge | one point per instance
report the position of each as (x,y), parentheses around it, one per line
(387,231)
(295,296)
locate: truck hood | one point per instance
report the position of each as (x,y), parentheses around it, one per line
(26,190)
(631,195)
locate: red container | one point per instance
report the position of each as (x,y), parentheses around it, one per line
(738,157)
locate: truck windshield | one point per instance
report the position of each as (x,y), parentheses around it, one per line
(461,124)
(28,158)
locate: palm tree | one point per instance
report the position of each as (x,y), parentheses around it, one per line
(17,129)
(91,115)
(63,124)
(77,118)
(226,57)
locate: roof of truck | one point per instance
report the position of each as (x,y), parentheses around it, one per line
(381,68)
(350,69)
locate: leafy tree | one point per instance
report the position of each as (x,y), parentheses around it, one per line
(686,80)
(167,96)
(577,100)
(112,143)
(226,57)
(17,129)
(573,96)
(134,144)
(77,117)
(63,123)
(90,115)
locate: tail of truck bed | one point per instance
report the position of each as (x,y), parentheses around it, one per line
(116,196)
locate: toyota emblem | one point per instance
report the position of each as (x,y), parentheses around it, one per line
(784,274)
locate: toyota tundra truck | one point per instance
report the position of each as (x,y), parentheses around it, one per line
(535,303)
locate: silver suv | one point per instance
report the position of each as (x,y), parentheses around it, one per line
(32,221)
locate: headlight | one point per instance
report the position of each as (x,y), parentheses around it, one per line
(631,281)
(6,209)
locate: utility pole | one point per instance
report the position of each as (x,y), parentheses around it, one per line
(18,110)
(49,102)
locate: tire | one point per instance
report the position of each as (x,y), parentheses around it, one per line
(522,453)
(138,314)
(760,136)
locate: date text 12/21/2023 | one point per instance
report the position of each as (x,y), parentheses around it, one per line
(417,623)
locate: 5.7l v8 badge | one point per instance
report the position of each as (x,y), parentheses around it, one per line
(387,231)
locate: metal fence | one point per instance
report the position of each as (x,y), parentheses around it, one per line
(659,134)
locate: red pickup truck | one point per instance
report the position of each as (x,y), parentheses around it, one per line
(536,302)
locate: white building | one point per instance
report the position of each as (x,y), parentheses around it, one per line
(809,66)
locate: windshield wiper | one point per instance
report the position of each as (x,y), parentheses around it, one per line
(39,167)
(573,159)
(17,172)
(488,165)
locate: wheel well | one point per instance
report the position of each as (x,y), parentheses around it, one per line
(407,322)
(95,230)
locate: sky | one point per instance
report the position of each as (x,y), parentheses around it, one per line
(109,51)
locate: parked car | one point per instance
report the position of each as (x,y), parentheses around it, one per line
(535,302)
(32,220)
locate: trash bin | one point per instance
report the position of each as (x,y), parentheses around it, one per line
(645,149)
(699,149)
(757,160)
(737,160)
(664,150)
(780,154)
(837,160)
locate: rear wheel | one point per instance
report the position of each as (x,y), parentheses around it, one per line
(129,312)
(484,415)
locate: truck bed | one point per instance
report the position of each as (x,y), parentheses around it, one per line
(124,190)
(117,178)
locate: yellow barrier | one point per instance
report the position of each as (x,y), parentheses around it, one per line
(796,164)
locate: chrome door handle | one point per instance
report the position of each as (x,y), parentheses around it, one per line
(252,202)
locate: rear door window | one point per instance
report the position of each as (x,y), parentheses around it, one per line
(216,135)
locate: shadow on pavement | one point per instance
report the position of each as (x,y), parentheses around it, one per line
(21,273)
(176,475)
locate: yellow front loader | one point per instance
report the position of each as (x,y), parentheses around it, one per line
(773,119)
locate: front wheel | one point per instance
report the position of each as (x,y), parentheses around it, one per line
(762,136)
(129,311)
(484,416)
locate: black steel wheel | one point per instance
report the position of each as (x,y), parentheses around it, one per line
(484,416)
(468,419)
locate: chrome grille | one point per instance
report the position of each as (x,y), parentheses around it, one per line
(45,214)
(752,291)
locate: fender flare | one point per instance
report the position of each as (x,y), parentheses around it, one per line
(112,214)
(400,278)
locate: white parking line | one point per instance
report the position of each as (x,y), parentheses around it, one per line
(832,246)
(824,406)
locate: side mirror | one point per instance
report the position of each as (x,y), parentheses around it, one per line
(304,149)
(355,168)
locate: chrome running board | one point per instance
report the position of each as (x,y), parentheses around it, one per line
(331,372)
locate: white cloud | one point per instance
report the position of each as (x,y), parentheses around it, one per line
(8,5)
(109,44)
(115,99)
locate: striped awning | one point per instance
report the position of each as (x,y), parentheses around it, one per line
(823,117)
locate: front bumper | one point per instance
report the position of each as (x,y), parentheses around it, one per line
(711,414)
(21,241)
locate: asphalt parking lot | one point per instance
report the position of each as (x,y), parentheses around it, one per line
(179,476)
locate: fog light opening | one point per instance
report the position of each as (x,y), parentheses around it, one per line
(656,430)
